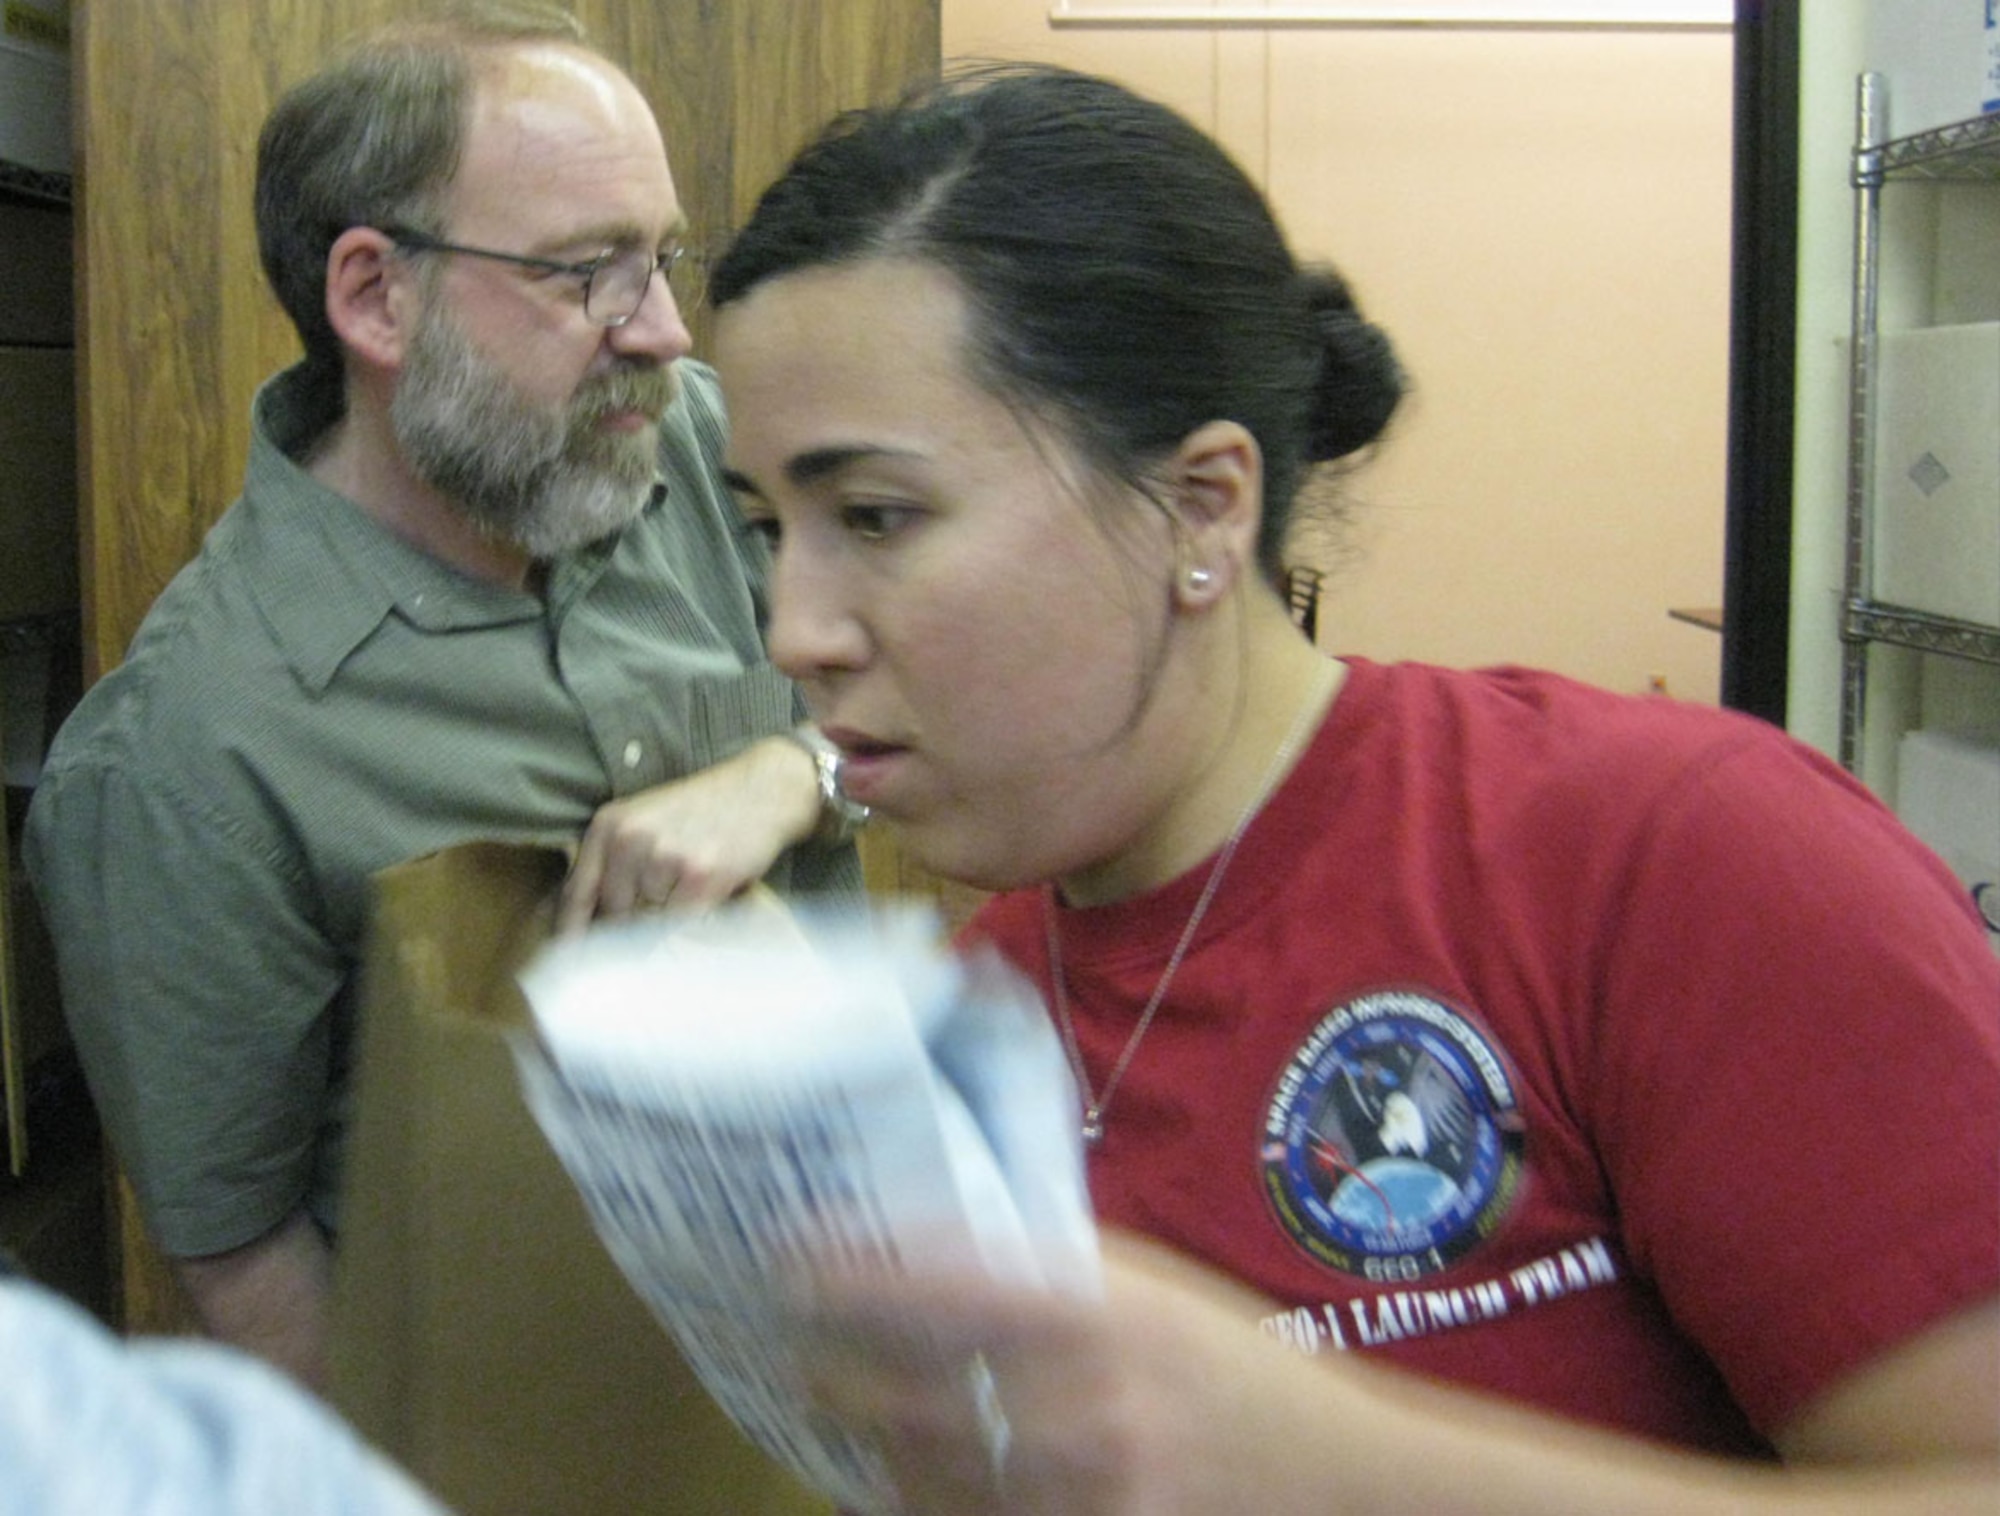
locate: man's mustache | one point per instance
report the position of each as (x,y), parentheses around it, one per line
(648,389)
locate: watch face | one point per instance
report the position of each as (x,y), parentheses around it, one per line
(830,765)
(840,815)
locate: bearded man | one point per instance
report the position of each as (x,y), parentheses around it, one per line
(483,581)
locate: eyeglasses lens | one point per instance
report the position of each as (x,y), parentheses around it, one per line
(619,286)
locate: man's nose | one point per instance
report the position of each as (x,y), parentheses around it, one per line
(656,329)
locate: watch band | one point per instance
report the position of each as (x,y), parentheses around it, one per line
(839,817)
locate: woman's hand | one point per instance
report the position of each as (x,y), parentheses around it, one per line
(984,1398)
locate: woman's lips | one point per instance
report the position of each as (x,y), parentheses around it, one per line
(868,767)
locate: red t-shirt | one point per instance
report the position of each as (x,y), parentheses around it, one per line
(1619,1056)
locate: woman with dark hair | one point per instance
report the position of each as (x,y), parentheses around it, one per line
(1528,1039)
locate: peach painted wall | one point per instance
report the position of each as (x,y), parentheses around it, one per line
(1541,220)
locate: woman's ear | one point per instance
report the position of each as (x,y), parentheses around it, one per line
(370,305)
(1217,479)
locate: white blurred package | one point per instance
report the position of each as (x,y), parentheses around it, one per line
(741,1093)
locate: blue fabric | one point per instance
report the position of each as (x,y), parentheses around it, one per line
(94,1426)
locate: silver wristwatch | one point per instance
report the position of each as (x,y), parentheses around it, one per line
(839,817)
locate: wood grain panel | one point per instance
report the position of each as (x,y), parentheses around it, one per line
(148,305)
(176,327)
(796,64)
(679,56)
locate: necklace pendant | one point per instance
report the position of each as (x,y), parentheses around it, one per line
(1093,1126)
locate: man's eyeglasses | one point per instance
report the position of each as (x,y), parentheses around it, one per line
(614,282)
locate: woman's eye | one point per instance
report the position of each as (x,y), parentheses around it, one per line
(763,528)
(873,522)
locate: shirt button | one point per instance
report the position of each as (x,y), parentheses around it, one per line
(633,753)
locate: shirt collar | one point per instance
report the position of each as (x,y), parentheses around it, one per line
(326,573)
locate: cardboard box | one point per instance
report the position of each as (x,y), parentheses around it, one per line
(38,548)
(1948,793)
(1937,471)
(482,1335)
(1938,58)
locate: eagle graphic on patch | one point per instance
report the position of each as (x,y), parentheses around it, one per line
(1393,1142)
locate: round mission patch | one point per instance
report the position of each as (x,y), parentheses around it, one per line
(1393,1142)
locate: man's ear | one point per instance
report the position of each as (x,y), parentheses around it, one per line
(1217,478)
(370,302)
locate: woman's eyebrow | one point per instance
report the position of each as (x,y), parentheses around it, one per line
(814,465)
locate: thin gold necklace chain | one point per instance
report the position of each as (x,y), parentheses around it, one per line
(1097,1106)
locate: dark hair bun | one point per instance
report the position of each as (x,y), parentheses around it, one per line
(1360,381)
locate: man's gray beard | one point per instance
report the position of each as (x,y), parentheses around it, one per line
(547,480)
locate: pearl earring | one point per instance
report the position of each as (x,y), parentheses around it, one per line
(1199,579)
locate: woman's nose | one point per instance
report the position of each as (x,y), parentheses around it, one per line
(814,628)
